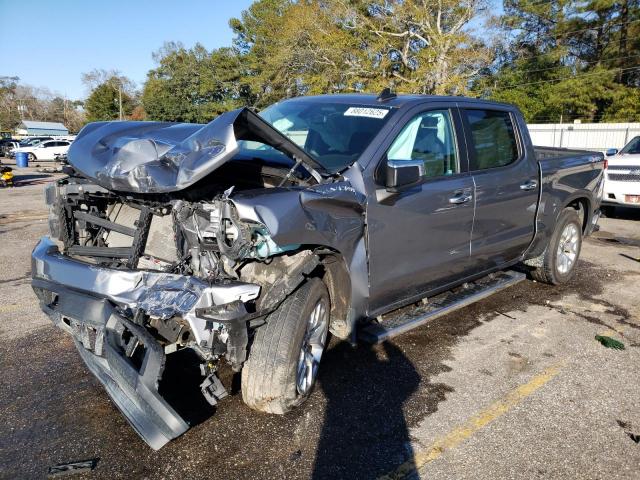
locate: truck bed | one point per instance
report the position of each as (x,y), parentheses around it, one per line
(544,153)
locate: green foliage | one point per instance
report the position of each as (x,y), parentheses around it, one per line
(610,342)
(560,59)
(297,48)
(194,85)
(9,114)
(104,103)
(569,60)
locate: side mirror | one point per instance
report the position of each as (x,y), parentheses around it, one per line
(403,173)
(611,152)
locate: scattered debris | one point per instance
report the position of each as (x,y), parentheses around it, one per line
(6,177)
(57,169)
(72,468)
(610,342)
(630,257)
(627,427)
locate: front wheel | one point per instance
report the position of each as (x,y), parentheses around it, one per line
(561,255)
(284,358)
(32,157)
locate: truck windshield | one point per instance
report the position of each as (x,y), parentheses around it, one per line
(633,147)
(334,134)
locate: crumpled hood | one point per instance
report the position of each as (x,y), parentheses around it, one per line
(150,157)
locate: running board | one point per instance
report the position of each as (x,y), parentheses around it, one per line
(400,321)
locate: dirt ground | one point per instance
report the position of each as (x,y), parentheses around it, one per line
(515,386)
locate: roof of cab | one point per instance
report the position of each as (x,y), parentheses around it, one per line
(397,101)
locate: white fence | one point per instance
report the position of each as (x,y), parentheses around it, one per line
(585,136)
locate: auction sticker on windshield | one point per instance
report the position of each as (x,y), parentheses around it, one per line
(366,112)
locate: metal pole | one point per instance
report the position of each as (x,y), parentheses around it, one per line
(561,129)
(120,98)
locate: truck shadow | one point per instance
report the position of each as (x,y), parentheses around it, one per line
(180,387)
(365,433)
(623,213)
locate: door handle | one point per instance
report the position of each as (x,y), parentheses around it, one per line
(529,185)
(458,199)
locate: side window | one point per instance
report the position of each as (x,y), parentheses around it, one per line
(494,138)
(428,137)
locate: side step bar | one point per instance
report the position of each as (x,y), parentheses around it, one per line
(407,318)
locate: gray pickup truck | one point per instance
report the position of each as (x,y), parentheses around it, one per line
(252,238)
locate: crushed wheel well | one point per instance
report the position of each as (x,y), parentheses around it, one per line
(336,277)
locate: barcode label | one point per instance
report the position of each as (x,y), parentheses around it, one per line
(366,112)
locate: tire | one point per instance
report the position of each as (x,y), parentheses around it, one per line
(32,157)
(556,266)
(270,375)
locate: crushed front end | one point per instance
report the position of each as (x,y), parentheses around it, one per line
(134,279)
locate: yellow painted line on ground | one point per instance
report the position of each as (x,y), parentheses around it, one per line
(461,433)
(9,308)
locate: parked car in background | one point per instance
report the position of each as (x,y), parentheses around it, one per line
(26,143)
(33,141)
(622,177)
(6,145)
(46,150)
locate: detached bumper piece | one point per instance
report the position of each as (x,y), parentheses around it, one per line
(123,356)
(94,305)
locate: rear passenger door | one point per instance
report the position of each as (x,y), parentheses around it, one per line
(505,176)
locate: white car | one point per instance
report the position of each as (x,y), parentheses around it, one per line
(622,176)
(46,150)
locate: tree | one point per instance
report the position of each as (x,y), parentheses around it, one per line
(193,85)
(568,60)
(104,103)
(18,102)
(9,113)
(321,46)
(99,104)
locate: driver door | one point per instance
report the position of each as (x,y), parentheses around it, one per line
(419,235)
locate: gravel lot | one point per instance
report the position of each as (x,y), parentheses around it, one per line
(515,386)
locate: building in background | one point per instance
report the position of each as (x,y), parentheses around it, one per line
(31,128)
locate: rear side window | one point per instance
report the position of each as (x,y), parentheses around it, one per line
(494,138)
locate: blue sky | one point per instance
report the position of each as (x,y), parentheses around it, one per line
(50,43)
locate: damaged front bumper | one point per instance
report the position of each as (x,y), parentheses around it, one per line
(96,305)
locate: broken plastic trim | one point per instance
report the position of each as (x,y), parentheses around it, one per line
(148,157)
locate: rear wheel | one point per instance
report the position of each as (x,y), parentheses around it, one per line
(284,358)
(559,260)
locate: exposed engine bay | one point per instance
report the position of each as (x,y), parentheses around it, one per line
(203,239)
